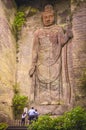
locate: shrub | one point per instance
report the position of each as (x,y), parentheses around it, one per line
(3,126)
(58,123)
(18,23)
(19,102)
(75,119)
(19,20)
(43,123)
(72,120)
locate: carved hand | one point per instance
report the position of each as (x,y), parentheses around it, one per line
(31,72)
(69,28)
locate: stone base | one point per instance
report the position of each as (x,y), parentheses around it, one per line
(52,109)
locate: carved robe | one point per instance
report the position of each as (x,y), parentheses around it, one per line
(47,49)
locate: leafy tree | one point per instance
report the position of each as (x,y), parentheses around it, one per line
(19,102)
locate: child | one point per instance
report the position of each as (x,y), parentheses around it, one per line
(36,114)
(23,118)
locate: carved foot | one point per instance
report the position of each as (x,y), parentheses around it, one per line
(45,103)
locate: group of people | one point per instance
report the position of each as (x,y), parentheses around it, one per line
(32,115)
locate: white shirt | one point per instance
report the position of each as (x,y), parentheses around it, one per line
(31,112)
(36,113)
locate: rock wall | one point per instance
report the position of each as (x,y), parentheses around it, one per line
(78,52)
(25,53)
(7,58)
(74,59)
(73,56)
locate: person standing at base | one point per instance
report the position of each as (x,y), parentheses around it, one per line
(31,114)
(36,114)
(23,118)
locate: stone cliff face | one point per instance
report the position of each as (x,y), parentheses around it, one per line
(73,56)
(76,54)
(25,53)
(73,63)
(78,47)
(7,59)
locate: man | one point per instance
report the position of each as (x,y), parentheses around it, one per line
(46,60)
(31,114)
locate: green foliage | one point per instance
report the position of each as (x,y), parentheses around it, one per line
(18,23)
(43,123)
(19,20)
(58,123)
(20,17)
(75,119)
(19,102)
(72,120)
(3,126)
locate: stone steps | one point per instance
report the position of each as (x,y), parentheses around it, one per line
(17,128)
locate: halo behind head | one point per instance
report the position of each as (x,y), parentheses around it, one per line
(48,8)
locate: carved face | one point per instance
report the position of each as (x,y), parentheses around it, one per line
(48,18)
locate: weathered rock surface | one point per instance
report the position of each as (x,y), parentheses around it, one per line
(73,63)
(78,52)
(73,57)
(7,58)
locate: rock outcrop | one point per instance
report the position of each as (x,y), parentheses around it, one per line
(7,59)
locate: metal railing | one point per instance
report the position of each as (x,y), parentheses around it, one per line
(19,123)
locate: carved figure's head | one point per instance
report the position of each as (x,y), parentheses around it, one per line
(48,16)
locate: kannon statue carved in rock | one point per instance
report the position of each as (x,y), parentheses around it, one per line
(46,69)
